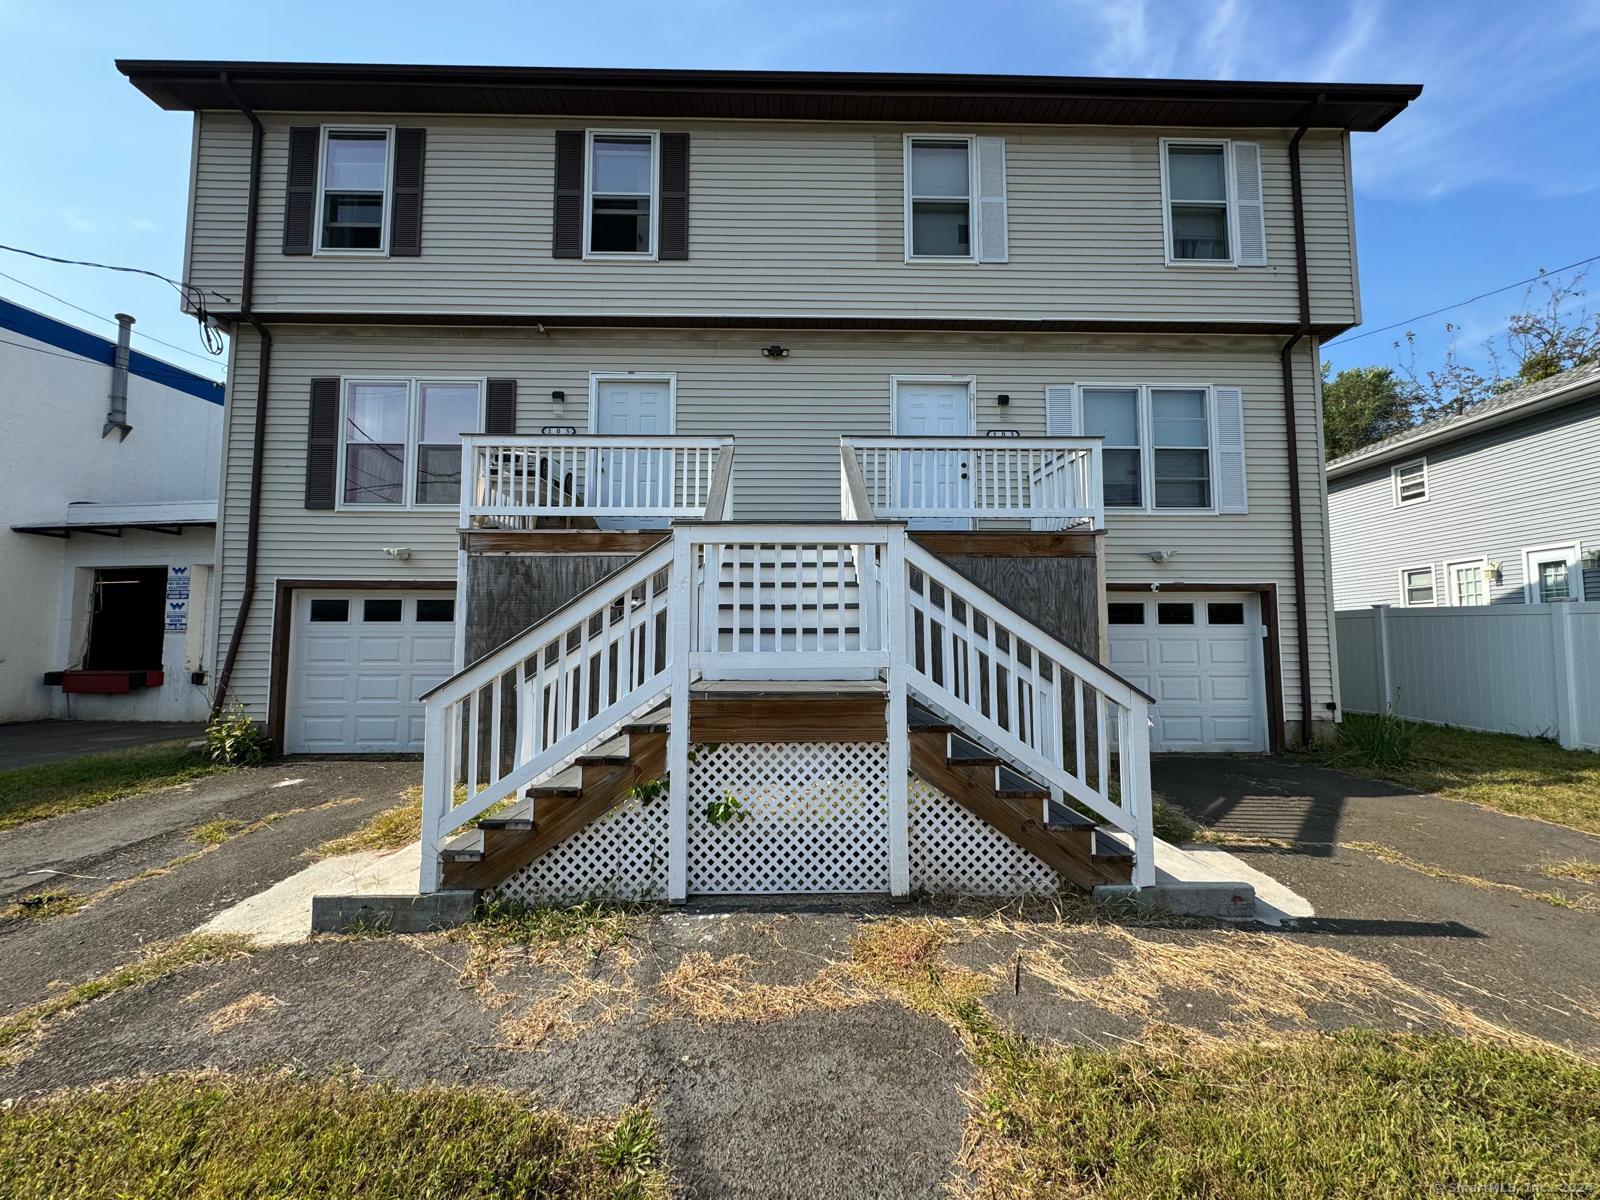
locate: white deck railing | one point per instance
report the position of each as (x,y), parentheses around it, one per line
(841,601)
(511,482)
(1052,483)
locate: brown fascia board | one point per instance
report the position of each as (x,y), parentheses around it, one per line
(724,321)
(767,95)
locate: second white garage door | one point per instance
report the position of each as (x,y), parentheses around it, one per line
(1199,655)
(358,662)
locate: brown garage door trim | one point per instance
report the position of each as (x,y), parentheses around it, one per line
(1271,652)
(282,631)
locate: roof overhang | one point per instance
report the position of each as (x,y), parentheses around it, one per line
(1489,416)
(112,520)
(766,95)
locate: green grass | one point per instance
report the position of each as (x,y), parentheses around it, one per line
(1527,777)
(51,789)
(215,832)
(1354,1114)
(44,904)
(214,1137)
(1170,825)
(592,924)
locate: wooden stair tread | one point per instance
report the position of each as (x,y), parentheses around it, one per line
(1012,783)
(1109,849)
(962,753)
(1062,817)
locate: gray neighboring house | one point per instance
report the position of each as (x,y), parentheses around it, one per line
(1500,505)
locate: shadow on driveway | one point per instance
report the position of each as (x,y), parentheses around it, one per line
(28,743)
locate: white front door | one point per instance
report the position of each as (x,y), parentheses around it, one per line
(1199,655)
(358,662)
(930,482)
(631,479)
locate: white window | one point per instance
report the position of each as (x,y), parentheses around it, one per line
(354,185)
(1157,447)
(400,440)
(1410,481)
(1553,573)
(1416,586)
(1198,224)
(621,175)
(1468,582)
(939,220)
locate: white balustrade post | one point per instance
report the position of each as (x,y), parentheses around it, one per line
(1135,742)
(893,587)
(680,617)
(435,793)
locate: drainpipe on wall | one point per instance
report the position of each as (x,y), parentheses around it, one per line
(263,379)
(117,418)
(1302,620)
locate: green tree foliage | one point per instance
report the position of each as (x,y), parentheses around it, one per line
(1362,405)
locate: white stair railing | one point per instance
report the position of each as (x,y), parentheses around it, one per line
(525,710)
(1053,483)
(510,482)
(1058,715)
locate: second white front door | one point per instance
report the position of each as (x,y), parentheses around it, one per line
(933,481)
(631,479)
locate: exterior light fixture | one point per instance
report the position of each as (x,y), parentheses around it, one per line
(774,351)
(1002,399)
(558,397)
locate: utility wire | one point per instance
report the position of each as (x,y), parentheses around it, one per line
(149,337)
(79,262)
(1462,303)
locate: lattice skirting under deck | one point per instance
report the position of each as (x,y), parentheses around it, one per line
(815,820)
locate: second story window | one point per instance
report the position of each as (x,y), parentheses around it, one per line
(1197,202)
(939,199)
(355,190)
(1410,481)
(622,200)
(401,440)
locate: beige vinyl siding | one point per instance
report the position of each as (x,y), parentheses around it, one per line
(787,417)
(787,220)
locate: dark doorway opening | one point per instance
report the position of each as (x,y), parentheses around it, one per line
(127,619)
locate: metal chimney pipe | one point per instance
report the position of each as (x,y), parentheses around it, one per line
(117,418)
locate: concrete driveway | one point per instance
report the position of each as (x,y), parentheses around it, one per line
(26,743)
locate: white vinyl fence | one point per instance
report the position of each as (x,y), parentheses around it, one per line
(1530,669)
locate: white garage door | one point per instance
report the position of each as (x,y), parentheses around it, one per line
(357,663)
(1199,655)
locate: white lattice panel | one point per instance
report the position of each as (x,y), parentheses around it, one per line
(621,856)
(816,818)
(955,853)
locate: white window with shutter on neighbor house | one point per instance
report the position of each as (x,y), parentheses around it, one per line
(955,198)
(1164,448)
(1213,208)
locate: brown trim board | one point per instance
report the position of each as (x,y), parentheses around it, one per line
(282,616)
(559,541)
(1005,543)
(1272,652)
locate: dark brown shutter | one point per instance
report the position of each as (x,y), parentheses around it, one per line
(300,192)
(674,230)
(568,238)
(322,443)
(500,414)
(405,225)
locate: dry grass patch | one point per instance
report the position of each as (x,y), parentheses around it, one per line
(217,1137)
(214,833)
(1578,870)
(1390,855)
(241,1012)
(704,988)
(906,960)
(159,960)
(44,904)
(392,829)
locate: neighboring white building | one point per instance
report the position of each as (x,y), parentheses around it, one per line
(106,536)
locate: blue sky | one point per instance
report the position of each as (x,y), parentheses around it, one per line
(1494,174)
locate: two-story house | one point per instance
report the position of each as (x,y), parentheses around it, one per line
(717,342)
(1496,505)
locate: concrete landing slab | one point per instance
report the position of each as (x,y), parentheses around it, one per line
(1205,881)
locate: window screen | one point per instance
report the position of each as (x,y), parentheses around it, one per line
(1197,189)
(941,199)
(621,194)
(355,182)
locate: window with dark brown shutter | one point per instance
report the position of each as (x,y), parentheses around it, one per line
(567,240)
(500,414)
(300,190)
(674,196)
(322,443)
(405,224)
